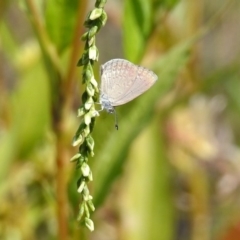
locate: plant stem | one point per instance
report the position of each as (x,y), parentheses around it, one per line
(61,188)
(58,122)
(47,46)
(76,46)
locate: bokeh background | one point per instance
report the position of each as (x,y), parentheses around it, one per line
(172,171)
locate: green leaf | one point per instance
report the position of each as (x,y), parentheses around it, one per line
(8,41)
(60,16)
(137,23)
(30,109)
(7,154)
(30,117)
(167,4)
(148,184)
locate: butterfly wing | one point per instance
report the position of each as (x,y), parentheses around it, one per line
(142,82)
(122,81)
(116,78)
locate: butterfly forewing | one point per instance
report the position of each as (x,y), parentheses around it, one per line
(117,77)
(143,81)
(122,81)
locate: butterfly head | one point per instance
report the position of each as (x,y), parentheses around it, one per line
(106,104)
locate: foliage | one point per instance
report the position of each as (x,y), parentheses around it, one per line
(171,171)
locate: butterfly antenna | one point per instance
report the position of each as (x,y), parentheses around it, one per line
(116,119)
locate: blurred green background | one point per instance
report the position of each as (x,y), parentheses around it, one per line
(171,171)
